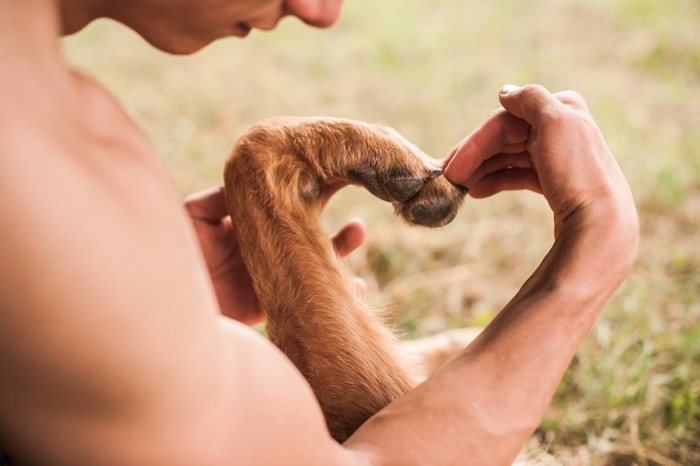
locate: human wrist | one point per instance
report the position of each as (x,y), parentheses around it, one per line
(587,263)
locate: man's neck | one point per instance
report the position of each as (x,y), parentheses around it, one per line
(31,27)
(33,74)
(28,32)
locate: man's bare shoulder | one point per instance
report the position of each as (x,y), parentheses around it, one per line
(101,280)
(87,203)
(103,289)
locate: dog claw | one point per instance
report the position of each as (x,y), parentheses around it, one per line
(434,173)
(404,189)
(401,188)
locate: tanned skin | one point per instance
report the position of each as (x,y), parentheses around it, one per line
(122,338)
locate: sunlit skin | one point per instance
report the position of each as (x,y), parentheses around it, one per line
(185,26)
(120,346)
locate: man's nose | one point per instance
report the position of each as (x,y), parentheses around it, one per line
(318,13)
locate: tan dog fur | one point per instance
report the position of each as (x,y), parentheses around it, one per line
(277,180)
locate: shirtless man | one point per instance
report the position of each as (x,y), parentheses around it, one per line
(113,346)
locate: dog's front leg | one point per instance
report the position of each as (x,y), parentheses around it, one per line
(275,178)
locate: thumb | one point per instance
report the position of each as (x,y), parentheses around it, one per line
(208,205)
(350,237)
(532,103)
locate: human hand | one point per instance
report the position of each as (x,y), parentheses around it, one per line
(547,143)
(229,275)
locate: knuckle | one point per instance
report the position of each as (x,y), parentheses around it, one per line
(552,116)
(192,207)
(572,98)
(542,106)
(533,90)
(404,189)
(514,130)
(571,95)
(496,114)
(572,123)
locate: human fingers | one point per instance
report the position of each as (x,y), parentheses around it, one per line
(208,205)
(532,103)
(506,180)
(572,99)
(501,133)
(359,287)
(577,172)
(349,237)
(497,163)
(329,190)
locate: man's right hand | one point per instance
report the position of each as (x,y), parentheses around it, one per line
(550,144)
(485,403)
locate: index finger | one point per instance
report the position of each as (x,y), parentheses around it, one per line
(502,133)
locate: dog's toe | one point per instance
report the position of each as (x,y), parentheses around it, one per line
(404,189)
(434,212)
(368,177)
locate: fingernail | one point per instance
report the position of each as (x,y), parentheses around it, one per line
(508,88)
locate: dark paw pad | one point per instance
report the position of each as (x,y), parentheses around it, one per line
(368,177)
(404,189)
(432,213)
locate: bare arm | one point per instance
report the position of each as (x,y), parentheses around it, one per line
(482,407)
(112,349)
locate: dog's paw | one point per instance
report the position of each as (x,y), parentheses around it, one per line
(429,200)
(411,181)
(435,205)
(393,187)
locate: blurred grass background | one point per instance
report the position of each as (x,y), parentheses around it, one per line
(433,70)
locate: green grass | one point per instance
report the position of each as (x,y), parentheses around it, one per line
(632,395)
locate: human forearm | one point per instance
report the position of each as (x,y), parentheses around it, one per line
(530,343)
(482,407)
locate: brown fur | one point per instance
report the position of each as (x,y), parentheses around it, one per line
(275,179)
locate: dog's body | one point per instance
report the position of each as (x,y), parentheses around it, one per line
(277,179)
